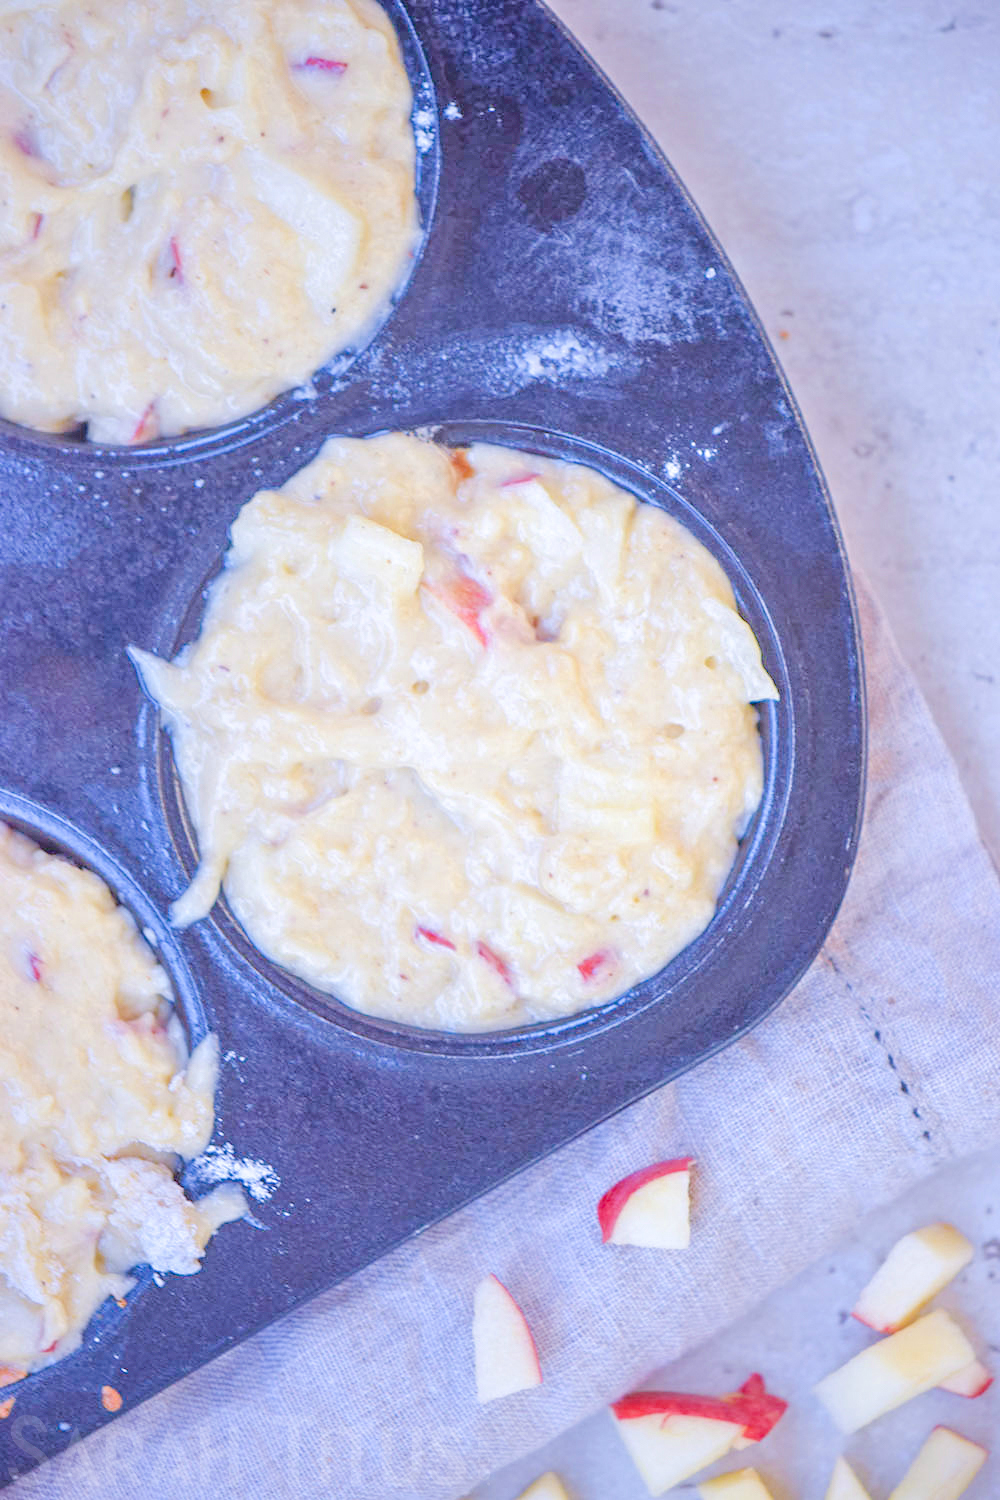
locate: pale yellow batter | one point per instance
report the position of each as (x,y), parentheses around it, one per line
(200,203)
(97,1101)
(468,738)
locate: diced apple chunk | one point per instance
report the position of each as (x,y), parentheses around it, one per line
(329,235)
(650,1208)
(593,802)
(914,1271)
(753,1406)
(845,1484)
(506,1357)
(741,1484)
(737,644)
(623,825)
(542,523)
(605,532)
(548,1487)
(972,1381)
(365,550)
(943,1469)
(895,1370)
(668,1450)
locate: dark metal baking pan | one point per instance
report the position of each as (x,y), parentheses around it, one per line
(568,298)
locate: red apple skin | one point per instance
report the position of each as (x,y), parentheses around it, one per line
(616,1197)
(979,1390)
(674,1404)
(877,1327)
(984,1387)
(759,1409)
(753,1407)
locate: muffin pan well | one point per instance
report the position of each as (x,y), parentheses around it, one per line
(568,299)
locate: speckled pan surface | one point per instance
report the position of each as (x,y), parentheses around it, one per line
(568,299)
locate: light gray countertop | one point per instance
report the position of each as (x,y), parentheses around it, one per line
(846,155)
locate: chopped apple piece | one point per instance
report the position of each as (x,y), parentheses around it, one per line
(467,599)
(845,1484)
(595,804)
(506,1357)
(667,1450)
(895,1370)
(365,550)
(328,234)
(972,1381)
(541,522)
(759,1410)
(914,1271)
(650,1207)
(943,1469)
(752,1406)
(741,1484)
(549,1487)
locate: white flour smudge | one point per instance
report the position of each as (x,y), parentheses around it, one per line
(452,111)
(423,129)
(561,355)
(221,1164)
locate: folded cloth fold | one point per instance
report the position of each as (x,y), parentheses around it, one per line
(879,1067)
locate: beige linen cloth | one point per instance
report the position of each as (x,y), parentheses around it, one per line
(883,1064)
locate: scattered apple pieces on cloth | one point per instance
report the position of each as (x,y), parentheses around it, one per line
(387,1353)
(943,1469)
(845,1484)
(974,1380)
(547,1487)
(895,1370)
(668,1450)
(741,1484)
(506,1357)
(672,1435)
(917,1267)
(650,1208)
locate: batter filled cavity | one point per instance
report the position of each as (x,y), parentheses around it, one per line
(98,1101)
(203,202)
(467,735)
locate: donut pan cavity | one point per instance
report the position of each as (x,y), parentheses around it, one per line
(567,299)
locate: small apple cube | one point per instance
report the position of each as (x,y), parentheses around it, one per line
(367,551)
(667,1450)
(506,1357)
(741,1484)
(329,234)
(972,1381)
(595,804)
(541,523)
(845,1484)
(650,1207)
(548,1487)
(914,1271)
(463,597)
(895,1370)
(943,1469)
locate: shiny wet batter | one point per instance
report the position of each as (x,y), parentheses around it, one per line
(468,738)
(98,1101)
(201,203)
